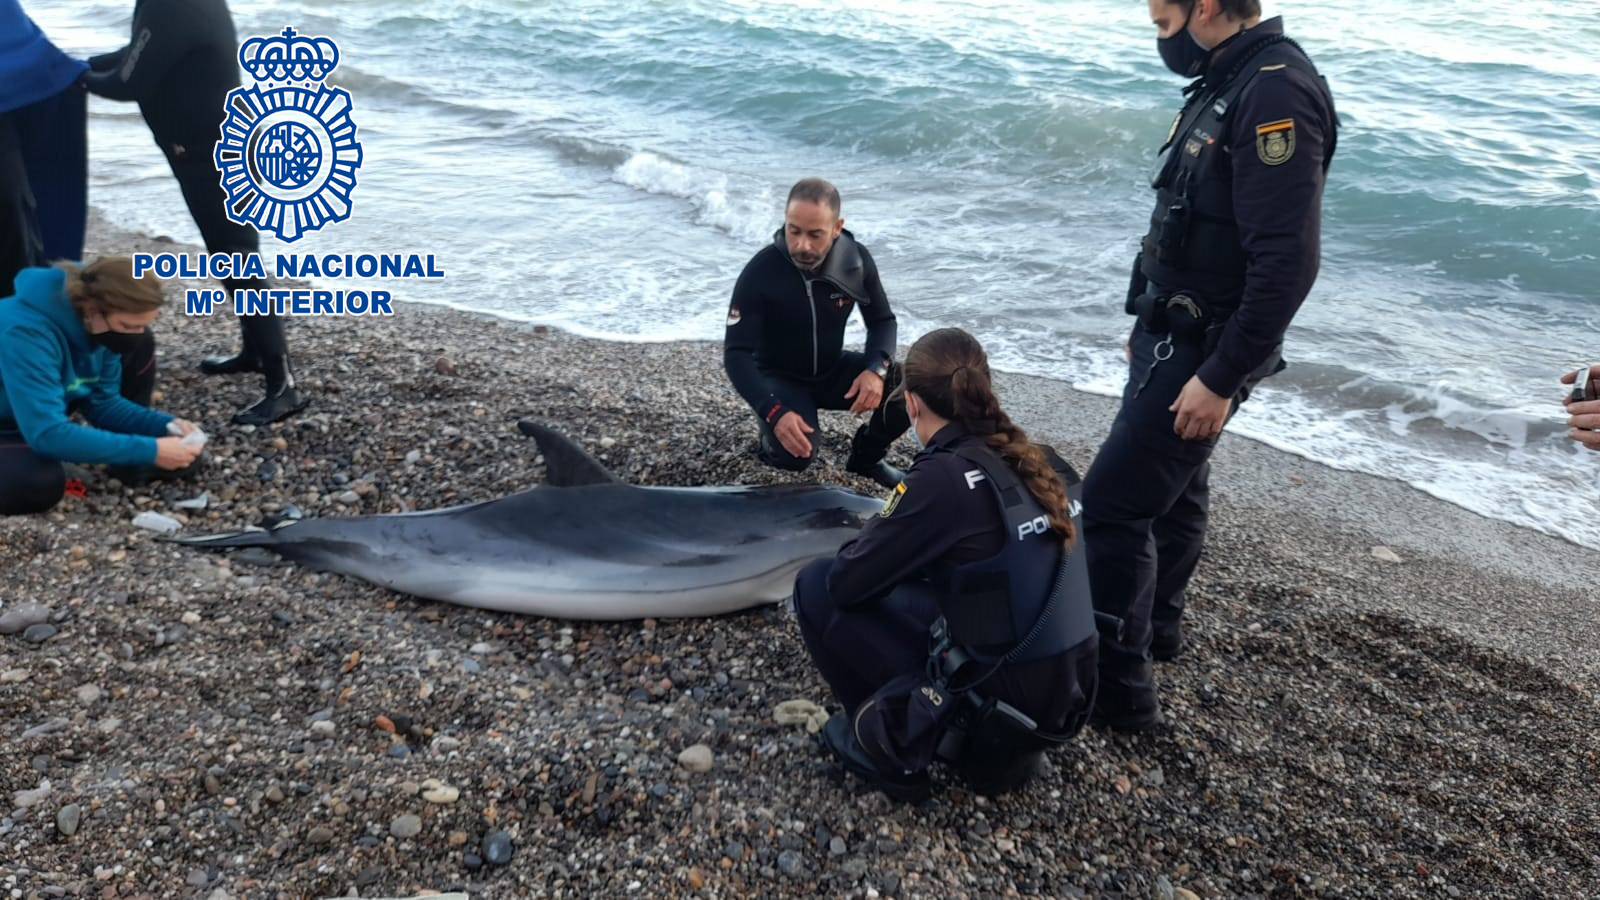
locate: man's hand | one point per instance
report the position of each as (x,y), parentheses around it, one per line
(1201,414)
(172,453)
(182,427)
(867,391)
(1583,419)
(791,431)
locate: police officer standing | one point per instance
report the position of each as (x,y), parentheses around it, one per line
(783,348)
(1232,250)
(957,625)
(180,65)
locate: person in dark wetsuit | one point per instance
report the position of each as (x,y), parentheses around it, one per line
(1232,250)
(180,66)
(979,538)
(783,348)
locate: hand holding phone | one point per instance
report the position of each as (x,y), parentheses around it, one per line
(1583,387)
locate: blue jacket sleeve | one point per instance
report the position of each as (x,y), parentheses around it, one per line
(109,410)
(33,388)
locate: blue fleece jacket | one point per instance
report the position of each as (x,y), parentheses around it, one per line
(31,68)
(47,363)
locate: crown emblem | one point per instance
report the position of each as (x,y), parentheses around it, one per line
(289,57)
(288,155)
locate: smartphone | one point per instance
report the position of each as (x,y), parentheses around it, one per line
(1582,386)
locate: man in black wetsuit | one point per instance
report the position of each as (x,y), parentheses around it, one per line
(1232,250)
(784,344)
(180,66)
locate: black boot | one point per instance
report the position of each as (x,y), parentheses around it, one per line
(1126,700)
(839,739)
(283,399)
(1166,641)
(869,463)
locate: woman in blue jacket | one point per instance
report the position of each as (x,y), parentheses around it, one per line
(61,339)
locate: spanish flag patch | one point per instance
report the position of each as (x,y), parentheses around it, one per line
(894,500)
(1275,142)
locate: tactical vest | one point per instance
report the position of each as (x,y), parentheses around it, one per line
(992,606)
(1193,243)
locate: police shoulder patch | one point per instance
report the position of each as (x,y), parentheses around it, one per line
(894,500)
(1275,142)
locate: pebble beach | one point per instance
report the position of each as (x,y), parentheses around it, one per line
(1383,695)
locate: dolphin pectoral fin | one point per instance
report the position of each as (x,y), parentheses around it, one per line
(224,540)
(565,463)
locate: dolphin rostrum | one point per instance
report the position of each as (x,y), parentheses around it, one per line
(583,545)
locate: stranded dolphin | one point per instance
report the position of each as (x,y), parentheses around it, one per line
(584,545)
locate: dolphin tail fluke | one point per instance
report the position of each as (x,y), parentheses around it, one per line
(566,465)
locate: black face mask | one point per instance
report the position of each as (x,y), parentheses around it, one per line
(118,342)
(1182,53)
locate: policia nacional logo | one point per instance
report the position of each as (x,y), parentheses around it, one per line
(1275,142)
(288,154)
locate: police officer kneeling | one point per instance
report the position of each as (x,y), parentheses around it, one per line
(957,625)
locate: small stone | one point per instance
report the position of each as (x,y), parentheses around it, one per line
(696,880)
(274,794)
(497,848)
(67,819)
(1184,894)
(399,751)
(324,728)
(38,634)
(696,759)
(19,617)
(436,791)
(472,861)
(1385,554)
(88,693)
(608,442)
(349,498)
(445,744)
(413,457)
(836,846)
(13,676)
(155,521)
(211,784)
(190,618)
(791,863)
(198,878)
(321,834)
(444,366)
(406,826)
(457,839)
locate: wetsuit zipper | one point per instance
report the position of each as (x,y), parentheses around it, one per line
(812,302)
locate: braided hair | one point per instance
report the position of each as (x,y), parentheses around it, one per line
(107,285)
(948,370)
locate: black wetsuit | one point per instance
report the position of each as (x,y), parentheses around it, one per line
(180,66)
(784,345)
(1232,250)
(865,614)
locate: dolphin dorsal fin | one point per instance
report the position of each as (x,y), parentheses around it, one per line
(565,463)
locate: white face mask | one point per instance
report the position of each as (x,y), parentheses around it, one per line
(915,437)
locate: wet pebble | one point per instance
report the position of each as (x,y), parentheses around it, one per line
(497,848)
(67,819)
(38,634)
(406,826)
(697,758)
(21,616)
(791,863)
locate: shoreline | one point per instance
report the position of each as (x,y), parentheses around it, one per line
(1340,726)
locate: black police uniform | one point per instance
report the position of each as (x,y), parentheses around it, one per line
(783,348)
(180,66)
(1232,250)
(962,546)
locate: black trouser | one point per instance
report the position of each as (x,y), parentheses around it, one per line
(1145,502)
(263,337)
(29,483)
(19,233)
(860,650)
(807,396)
(139,371)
